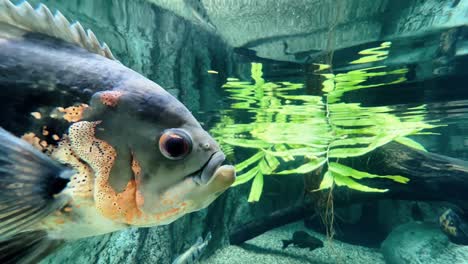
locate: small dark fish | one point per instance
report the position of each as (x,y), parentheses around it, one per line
(303,240)
(454,226)
(193,254)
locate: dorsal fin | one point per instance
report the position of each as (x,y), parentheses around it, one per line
(41,20)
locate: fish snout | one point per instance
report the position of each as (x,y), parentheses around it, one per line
(225,175)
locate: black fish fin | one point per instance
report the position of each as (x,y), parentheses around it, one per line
(30,186)
(286,243)
(27,247)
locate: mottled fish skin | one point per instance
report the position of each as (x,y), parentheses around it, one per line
(193,254)
(454,226)
(123,179)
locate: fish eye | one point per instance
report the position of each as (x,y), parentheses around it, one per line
(175,144)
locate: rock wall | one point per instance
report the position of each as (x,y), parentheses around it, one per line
(292,30)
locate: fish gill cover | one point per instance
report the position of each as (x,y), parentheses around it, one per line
(297,134)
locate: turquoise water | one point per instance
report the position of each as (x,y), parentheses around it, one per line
(345,119)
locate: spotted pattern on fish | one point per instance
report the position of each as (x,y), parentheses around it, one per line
(110,98)
(447,224)
(81,183)
(100,156)
(123,207)
(34,140)
(73,113)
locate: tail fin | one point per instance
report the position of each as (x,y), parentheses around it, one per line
(29,184)
(27,247)
(286,243)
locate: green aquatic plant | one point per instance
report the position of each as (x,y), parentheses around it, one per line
(292,133)
(373,54)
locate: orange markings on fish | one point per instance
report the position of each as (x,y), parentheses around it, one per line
(73,113)
(139,199)
(32,139)
(100,155)
(136,169)
(120,206)
(43,144)
(123,207)
(167,202)
(167,214)
(110,98)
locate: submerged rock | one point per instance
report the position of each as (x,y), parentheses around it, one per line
(417,242)
(148,245)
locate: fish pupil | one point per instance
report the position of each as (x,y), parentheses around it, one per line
(176,146)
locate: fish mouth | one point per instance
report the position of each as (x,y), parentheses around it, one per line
(206,173)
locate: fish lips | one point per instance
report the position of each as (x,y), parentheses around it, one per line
(206,173)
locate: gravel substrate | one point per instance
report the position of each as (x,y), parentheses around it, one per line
(267,249)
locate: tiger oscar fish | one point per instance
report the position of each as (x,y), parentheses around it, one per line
(124,152)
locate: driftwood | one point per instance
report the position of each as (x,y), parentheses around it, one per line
(432,177)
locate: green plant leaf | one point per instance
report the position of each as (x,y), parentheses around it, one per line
(305,168)
(285,124)
(346,171)
(326,182)
(257,73)
(272,162)
(341,180)
(247,143)
(264,167)
(245,177)
(363,140)
(296,152)
(410,143)
(246,163)
(256,189)
(347,152)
